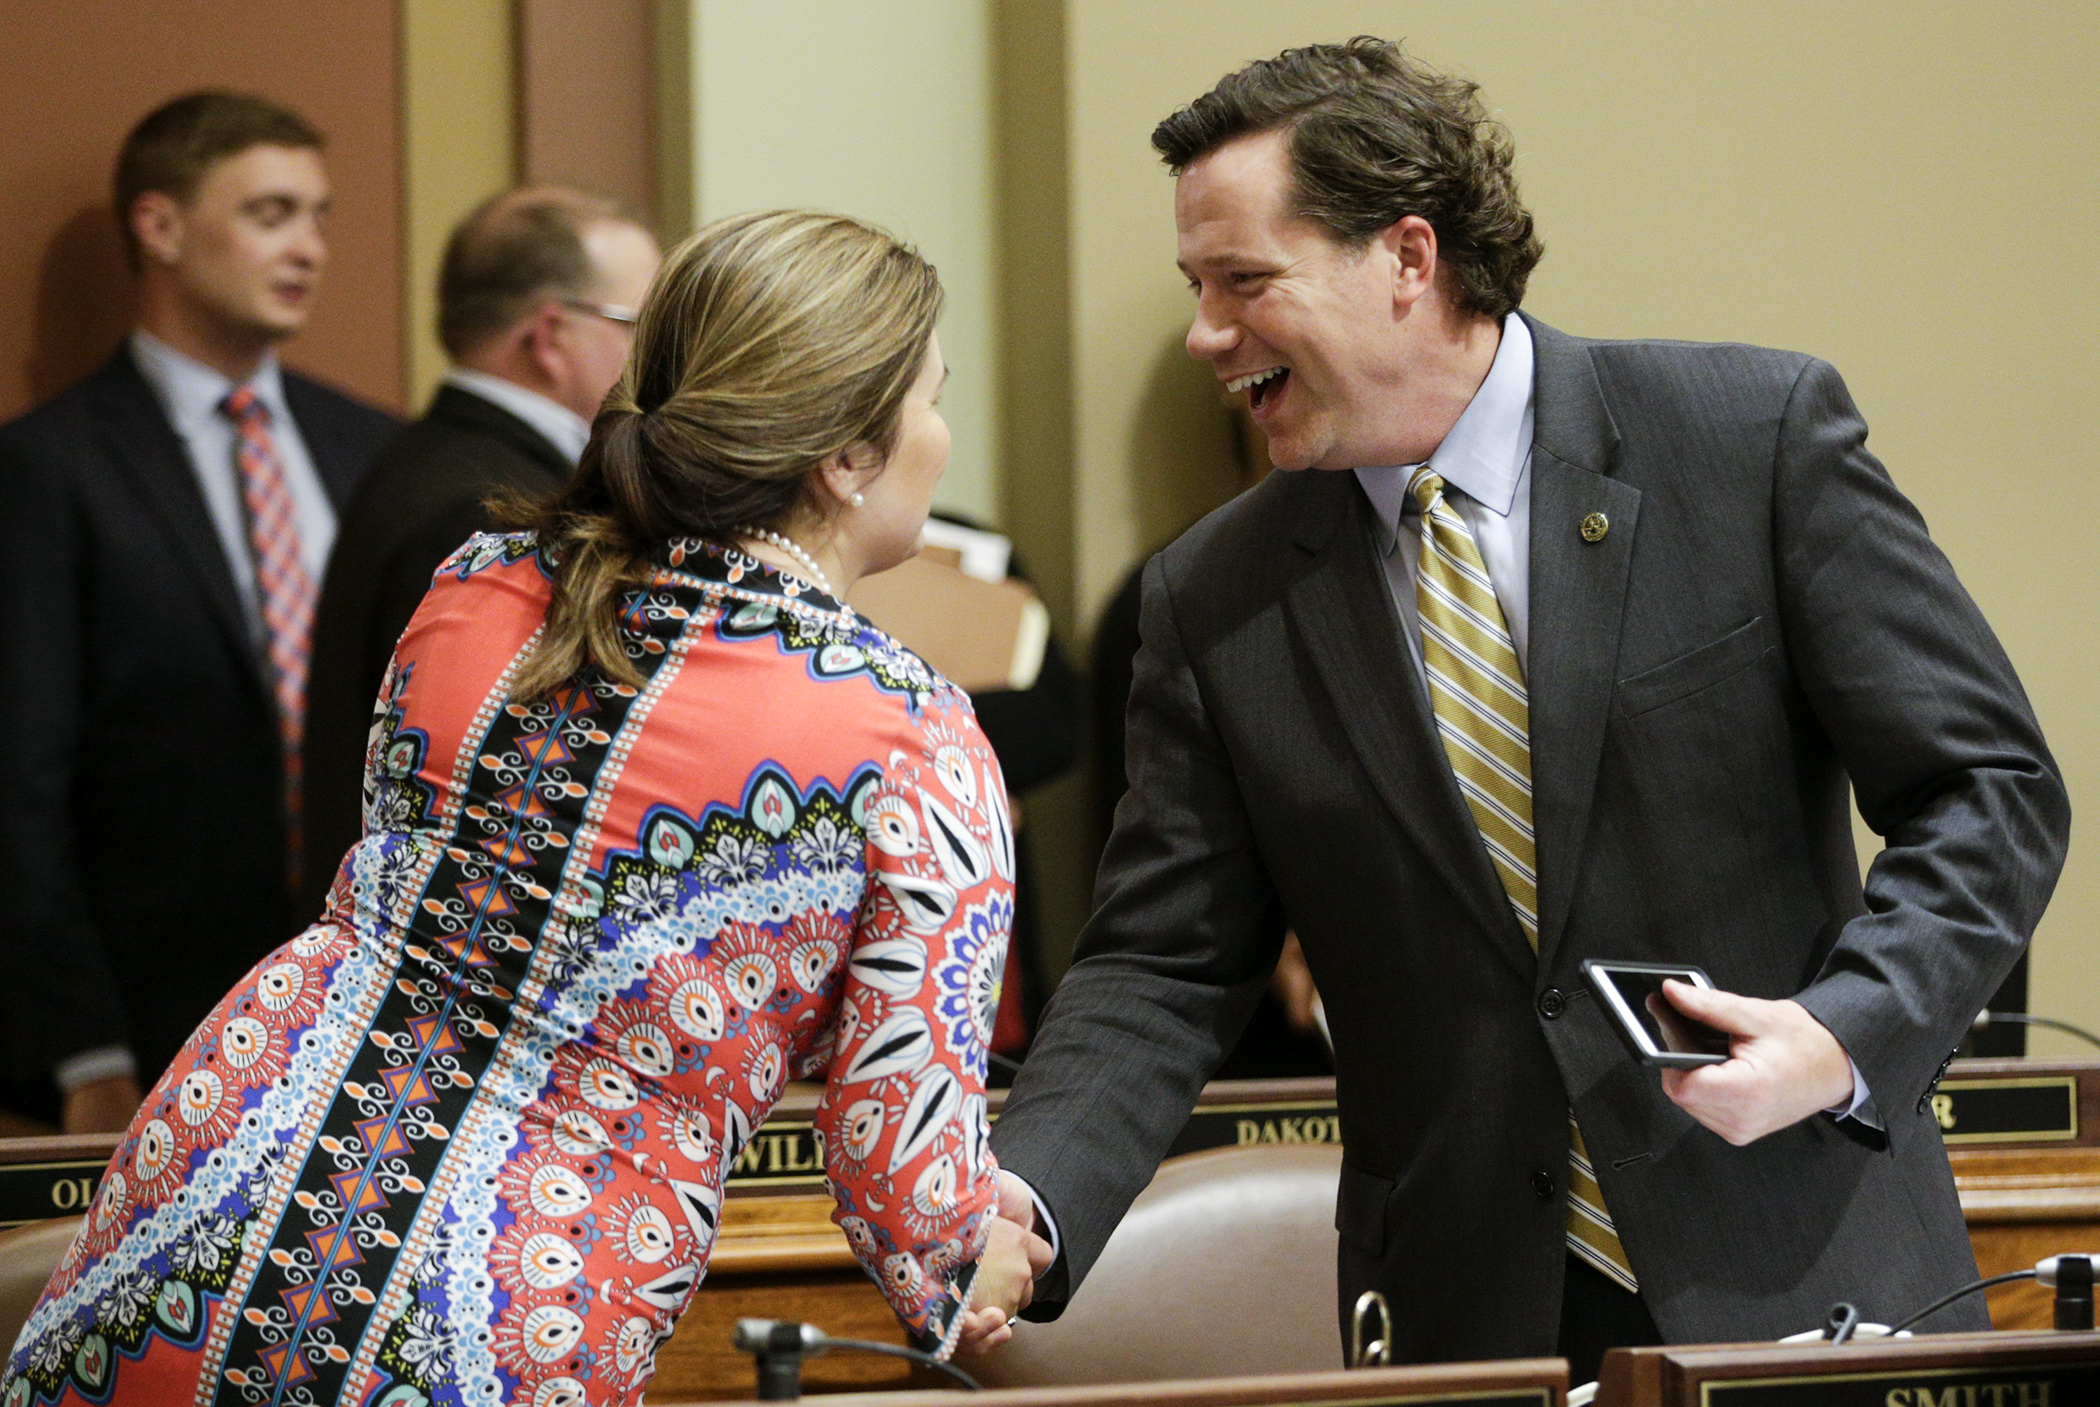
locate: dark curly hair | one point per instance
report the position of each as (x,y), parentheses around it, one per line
(1374,136)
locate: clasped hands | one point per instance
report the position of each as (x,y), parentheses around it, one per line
(1783,1065)
(1013,1256)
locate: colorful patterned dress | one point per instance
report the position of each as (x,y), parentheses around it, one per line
(464,1140)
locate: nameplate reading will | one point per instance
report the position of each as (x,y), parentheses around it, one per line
(2029,1386)
(2042,1109)
(40,1191)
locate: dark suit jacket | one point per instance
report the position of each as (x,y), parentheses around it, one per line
(423,498)
(1765,617)
(141,799)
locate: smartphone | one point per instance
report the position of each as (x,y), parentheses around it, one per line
(1655,1031)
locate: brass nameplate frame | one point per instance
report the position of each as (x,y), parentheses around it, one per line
(2038,1109)
(39,1191)
(784,1153)
(2022,1385)
(1238,1125)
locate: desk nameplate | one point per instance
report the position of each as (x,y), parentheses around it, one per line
(2033,1385)
(783,1155)
(2040,1109)
(2006,1368)
(39,1191)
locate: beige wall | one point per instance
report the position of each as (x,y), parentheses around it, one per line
(881,111)
(458,148)
(1907,190)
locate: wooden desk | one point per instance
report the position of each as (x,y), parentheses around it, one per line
(2023,1136)
(2024,1139)
(1516,1382)
(1939,1370)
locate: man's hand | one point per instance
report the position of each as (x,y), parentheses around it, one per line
(1783,1065)
(1005,1282)
(1292,984)
(102,1106)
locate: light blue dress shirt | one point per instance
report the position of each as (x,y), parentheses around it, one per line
(190,394)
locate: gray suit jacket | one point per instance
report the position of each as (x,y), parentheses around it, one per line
(1765,618)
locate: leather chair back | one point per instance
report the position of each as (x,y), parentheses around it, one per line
(1224,1267)
(28,1256)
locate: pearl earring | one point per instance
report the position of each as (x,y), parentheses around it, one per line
(857,499)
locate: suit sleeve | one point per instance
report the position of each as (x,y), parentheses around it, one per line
(1185,933)
(1946,758)
(60,997)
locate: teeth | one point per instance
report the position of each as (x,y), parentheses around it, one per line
(1252,378)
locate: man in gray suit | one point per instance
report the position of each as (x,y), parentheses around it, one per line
(1604,703)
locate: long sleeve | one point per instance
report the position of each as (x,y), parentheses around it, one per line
(60,996)
(1945,756)
(906,1140)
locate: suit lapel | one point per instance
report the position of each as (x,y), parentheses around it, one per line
(151,457)
(1343,611)
(1578,602)
(335,458)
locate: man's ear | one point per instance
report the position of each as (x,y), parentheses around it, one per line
(157,223)
(1409,243)
(541,335)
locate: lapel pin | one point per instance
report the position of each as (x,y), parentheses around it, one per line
(1594,527)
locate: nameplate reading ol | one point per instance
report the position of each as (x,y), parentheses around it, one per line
(40,1191)
(2039,1109)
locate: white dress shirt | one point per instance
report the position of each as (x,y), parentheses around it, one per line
(563,428)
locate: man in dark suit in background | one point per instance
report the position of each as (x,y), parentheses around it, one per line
(163,530)
(536,303)
(1545,649)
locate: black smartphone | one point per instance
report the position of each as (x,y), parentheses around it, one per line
(1655,1031)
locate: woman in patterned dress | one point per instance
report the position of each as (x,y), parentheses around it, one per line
(653,825)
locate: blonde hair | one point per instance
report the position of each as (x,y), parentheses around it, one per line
(768,343)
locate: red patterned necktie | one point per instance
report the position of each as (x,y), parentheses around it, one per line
(285,590)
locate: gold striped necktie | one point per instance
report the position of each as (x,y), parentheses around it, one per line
(1483,716)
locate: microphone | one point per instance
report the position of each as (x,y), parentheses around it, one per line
(780,1345)
(2073,1278)
(1985,1017)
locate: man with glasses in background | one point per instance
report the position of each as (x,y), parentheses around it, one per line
(537,298)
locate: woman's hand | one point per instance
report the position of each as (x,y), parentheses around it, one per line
(1004,1284)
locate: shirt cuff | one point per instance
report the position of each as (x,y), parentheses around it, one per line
(108,1062)
(1861,1105)
(1045,1224)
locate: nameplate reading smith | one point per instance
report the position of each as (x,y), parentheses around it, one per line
(2029,1385)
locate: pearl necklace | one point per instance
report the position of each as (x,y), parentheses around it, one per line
(793,549)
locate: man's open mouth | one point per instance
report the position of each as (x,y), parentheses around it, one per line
(1260,386)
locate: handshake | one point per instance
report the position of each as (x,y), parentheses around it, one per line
(1013,1256)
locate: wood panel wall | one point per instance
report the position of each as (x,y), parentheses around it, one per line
(73,80)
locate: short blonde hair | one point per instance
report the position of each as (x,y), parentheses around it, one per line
(768,343)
